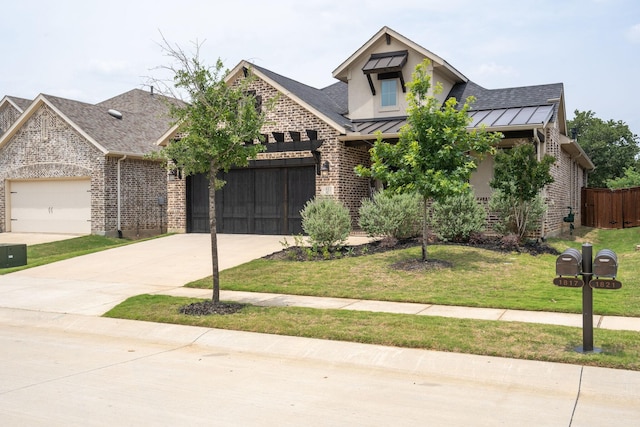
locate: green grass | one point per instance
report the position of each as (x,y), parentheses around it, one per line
(620,349)
(478,278)
(47,253)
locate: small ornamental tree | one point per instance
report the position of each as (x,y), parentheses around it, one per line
(216,121)
(518,177)
(435,154)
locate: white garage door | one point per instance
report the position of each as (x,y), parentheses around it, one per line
(51,206)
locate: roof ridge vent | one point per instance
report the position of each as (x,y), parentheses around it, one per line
(115,113)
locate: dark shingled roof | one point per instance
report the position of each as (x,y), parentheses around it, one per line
(489,99)
(339,93)
(145,119)
(330,101)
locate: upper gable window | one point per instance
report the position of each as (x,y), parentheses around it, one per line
(388,93)
(388,67)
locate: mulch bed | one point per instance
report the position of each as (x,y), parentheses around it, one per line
(208,307)
(297,253)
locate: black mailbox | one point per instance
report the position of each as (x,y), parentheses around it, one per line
(569,263)
(605,264)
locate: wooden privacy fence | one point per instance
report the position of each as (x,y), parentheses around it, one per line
(604,208)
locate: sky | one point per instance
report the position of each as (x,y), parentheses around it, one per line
(91,51)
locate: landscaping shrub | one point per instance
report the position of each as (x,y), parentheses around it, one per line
(516,216)
(392,216)
(326,221)
(458,217)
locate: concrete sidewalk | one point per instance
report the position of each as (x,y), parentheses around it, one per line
(507,315)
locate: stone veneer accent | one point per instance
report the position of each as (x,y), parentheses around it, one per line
(47,147)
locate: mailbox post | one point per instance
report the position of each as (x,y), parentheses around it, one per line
(571,264)
(587,301)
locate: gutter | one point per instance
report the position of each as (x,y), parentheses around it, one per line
(119,194)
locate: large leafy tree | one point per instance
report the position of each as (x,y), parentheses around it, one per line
(610,145)
(218,124)
(631,178)
(435,153)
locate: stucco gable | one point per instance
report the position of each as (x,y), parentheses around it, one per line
(387,34)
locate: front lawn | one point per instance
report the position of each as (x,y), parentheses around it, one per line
(478,277)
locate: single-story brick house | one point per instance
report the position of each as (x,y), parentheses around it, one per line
(72,167)
(314,138)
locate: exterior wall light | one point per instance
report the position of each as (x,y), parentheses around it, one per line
(325,168)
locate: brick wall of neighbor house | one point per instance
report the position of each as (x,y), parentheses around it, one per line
(176,204)
(143,195)
(46,148)
(8,115)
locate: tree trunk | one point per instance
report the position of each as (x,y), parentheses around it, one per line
(425,229)
(213,171)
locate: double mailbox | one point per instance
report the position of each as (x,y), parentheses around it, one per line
(605,265)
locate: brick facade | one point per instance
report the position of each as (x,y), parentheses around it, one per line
(46,147)
(569,179)
(286,116)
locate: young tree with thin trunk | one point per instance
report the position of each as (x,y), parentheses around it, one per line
(435,153)
(218,122)
(518,178)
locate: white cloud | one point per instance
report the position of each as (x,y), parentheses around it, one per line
(633,34)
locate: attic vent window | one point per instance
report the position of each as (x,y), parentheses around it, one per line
(115,113)
(388,63)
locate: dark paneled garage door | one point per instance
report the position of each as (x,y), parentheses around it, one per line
(253,201)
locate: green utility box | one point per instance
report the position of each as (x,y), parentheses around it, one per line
(12,255)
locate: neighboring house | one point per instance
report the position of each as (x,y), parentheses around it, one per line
(315,138)
(72,167)
(67,166)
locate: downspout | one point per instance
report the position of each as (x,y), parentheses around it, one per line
(119,202)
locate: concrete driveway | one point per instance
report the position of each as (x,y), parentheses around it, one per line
(93,284)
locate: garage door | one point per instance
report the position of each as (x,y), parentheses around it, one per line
(253,201)
(51,206)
